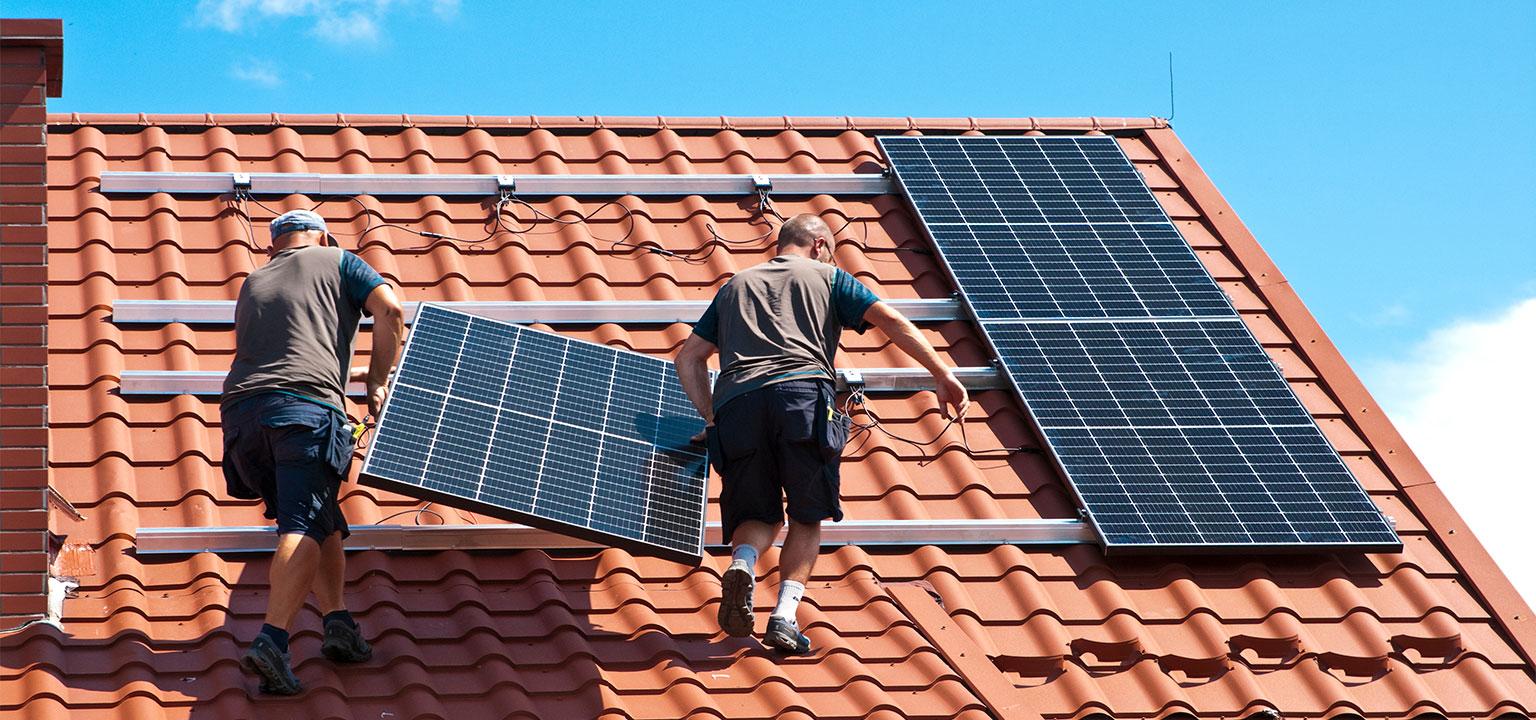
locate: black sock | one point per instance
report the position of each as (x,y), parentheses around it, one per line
(341,615)
(277,635)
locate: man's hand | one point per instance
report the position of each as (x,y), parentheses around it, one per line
(358,373)
(376,396)
(702,435)
(951,394)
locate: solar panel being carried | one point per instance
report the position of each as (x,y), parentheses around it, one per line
(534,427)
(1171,421)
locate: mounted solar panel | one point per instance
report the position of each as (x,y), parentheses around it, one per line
(1170,420)
(1051,227)
(533,427)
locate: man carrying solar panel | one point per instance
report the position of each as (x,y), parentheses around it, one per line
(287,439)
(773,429)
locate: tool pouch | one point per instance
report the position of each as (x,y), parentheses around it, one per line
(832,427)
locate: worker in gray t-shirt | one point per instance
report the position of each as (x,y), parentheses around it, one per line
(773,430)
(287,438)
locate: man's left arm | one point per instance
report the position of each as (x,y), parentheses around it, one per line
(851,299)
(693,373)
(858,308)
(388,326)
(368,290)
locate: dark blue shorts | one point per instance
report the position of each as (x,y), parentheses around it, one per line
(292,454)
(776,446)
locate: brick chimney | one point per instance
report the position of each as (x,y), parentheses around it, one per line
(31,70)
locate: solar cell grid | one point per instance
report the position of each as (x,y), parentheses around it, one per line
(1017,271)
(1218,486)
(1051,227)
(533,427)
(1169,418)
(1085,374)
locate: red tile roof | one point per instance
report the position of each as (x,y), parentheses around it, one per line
(925,632)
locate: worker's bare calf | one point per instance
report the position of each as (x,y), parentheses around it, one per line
(801,545)
(776,326)
(287,438)
(293,573)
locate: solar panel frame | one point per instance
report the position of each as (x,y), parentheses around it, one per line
(1212,480)
(1360,525)
(1144,373)
(969,224)
(530,406)
(1372,531)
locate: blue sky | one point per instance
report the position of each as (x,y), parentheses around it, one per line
(1383,153)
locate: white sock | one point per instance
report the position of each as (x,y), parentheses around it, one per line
(747,554)
(790,593)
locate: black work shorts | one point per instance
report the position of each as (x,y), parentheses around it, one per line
(291,453)
(776,445)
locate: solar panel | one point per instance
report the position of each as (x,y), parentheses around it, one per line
(1182,433)
(537,428)
(1212,486)
(1051,227)
(1092,374)
(1170,420)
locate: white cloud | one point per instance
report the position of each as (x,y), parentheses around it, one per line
(1466,403)
(226,15)
(343,22)
(257,73)
(288,7)
(353,27)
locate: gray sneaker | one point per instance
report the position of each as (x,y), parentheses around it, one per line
(344,643)
(784,635)
(273,665)
(736,599)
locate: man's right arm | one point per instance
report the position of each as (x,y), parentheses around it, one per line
(388,326)
(910,340)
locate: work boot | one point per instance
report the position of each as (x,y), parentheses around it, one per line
(784,635)
(272,664)
(736,599)
(344,643)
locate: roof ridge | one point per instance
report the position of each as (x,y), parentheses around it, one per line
(781,123)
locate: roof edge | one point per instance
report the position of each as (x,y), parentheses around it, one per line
(1419,491)
(611,122)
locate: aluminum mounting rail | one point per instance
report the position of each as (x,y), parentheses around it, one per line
(876,380)
(219,183)
(549,312)
(908,533)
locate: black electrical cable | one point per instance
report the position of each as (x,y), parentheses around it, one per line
(863,242)
(244,216)
(857,402)
(262,205)
(586,218)
(496,224)
(693,256)
(369,226)
(425,509)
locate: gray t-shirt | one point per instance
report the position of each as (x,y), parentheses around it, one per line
(780,320)
(294,325)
